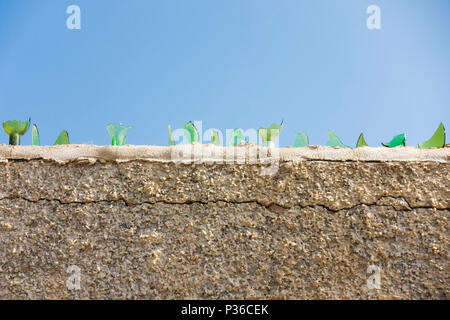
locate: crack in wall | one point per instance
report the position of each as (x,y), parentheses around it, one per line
(271,206)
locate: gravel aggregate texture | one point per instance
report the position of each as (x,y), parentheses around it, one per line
(206,222)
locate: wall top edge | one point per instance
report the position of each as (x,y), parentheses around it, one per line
(210,153)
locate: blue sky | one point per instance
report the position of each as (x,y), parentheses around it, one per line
(234,63)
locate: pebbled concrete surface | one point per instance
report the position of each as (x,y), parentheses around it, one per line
(155,227)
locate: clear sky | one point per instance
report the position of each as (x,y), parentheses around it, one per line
(228,63)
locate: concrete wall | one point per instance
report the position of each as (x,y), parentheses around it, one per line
(147,223)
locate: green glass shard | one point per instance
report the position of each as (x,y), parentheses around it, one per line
(361,142)
(63,138)
(118,133)
(191,132)
(334,141)
(398,140)
(171,140)
(269,134)
(35,136)
(236,137)
(15,129)
(437,140)
(215,138)
(301,140)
